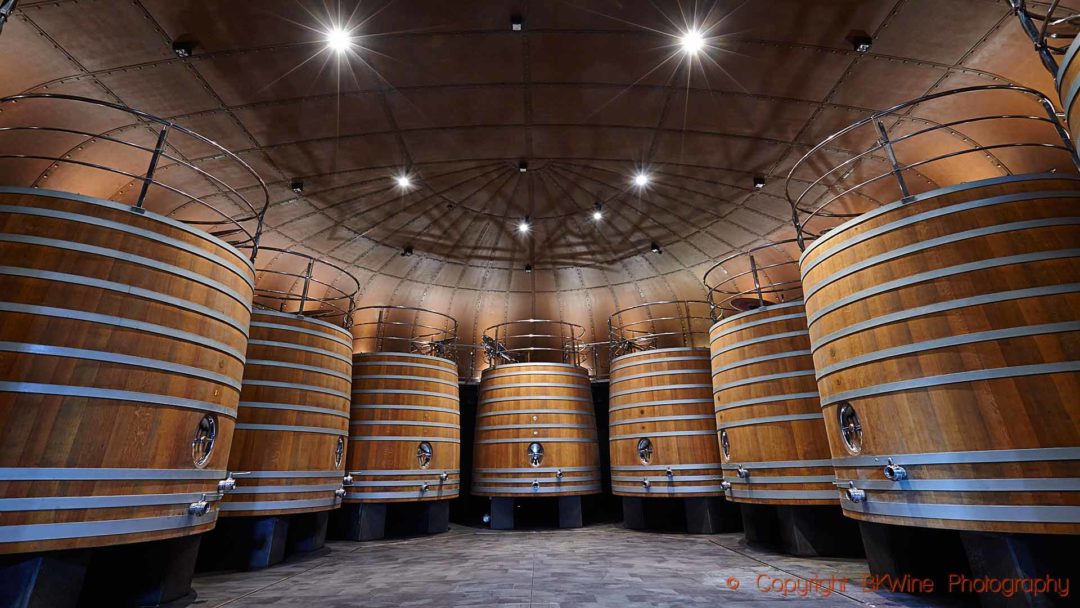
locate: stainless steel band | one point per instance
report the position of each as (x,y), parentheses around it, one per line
(779,464)
(579,387)
(532,412)
(441,425)
(405,472)
(142,326)
(298,330)
(420,408)
(664,467)
(754,360)
(64,390)
(344,333)
(1029,484)
(62,503)
(591,488)
(770,399)
(955,340)
(300,347)
(291,474)
(947,305)
(653,389)
(965,457)
(765,378)
(277,505)
(71,279)
(538,480)
(933,214)
(766,321)
(780,479)
(288,489)
(783,494)
(89,219)
(756,311)
(539,470)
(400,364)
(802,333)
(308,368)
(1009,513)
(768,420)
(941,273)
(540,439)
(307,388)
(115,254)
(534,425)
(405,438)
(661,434)
(665,403)
(955,378)
(452,368)
(673,478)
(667,490)
(390,483)
(397,391)
(295,408)
(84,529)
(536,398)
(96,474)
(526,373)
(669,372)
(362,377)
(119,359)
(703,358)
(437,493)
(245,426)
(675,349)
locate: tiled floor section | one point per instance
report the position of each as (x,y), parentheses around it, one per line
(595,566)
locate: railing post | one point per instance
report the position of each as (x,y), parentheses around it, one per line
(1051,113)
(307,285)
(883,137)
(154,158)
(378,332)
(1036,34)
(757,283)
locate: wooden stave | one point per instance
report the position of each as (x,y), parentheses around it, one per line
(290,459)
(388,470)
(57,233)
(789,461)
(695,457)
(573,451)
(994,511)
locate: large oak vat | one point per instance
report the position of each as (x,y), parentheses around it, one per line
(293,418)
(122,341)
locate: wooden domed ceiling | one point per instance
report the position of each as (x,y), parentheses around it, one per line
(588,94)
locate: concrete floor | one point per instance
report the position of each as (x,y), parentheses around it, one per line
(603,565)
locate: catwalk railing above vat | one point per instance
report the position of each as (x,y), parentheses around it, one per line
(404,329)
(533,341)
(927,143)
(666,324)
(1051,26)
(757,277)
(305,285)
(117,162)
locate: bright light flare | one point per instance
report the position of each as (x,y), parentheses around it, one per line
(338,40)
(524,227)
(404,181)
(692,42)
(597,215)
(641,180)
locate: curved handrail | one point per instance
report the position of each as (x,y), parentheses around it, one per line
(834,180)
(410,329)
(1057,22)
(242,230)
(753,278)
(663,324)
(335,304)
(504,344)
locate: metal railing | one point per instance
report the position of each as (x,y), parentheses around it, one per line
(533,341)
(241,228)
(853,183)
(404,329)
(1051,26)
(469,362)
(666,324)
(757,277)
(596,357)
(305,288)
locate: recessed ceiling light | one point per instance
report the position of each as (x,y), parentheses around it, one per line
(524,226)
(641,180)
(407,251)
(655,247)
(692,42)
(338,40)
(759,182)
(516,22)
(862,44)
(528,267)
(598,212)
(404,181)
(523,167)
(183,49)
(297,186)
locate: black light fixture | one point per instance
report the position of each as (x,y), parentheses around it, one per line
(655,247)
(297,186)
(407,251)
(598,212)
(759,182)
(516,22)
(523,166)
(862,44)
(183,48)
(528,268)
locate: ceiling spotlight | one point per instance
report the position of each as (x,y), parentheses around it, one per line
(862,44)
(692,42)
(297,186)
(338,40)
(655,247)
(407,251)
(524,226)
(523,167)
(404,181)
(598,212)
(528,268)
(759,182)
(516,22)
(183,50)
(641,180)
